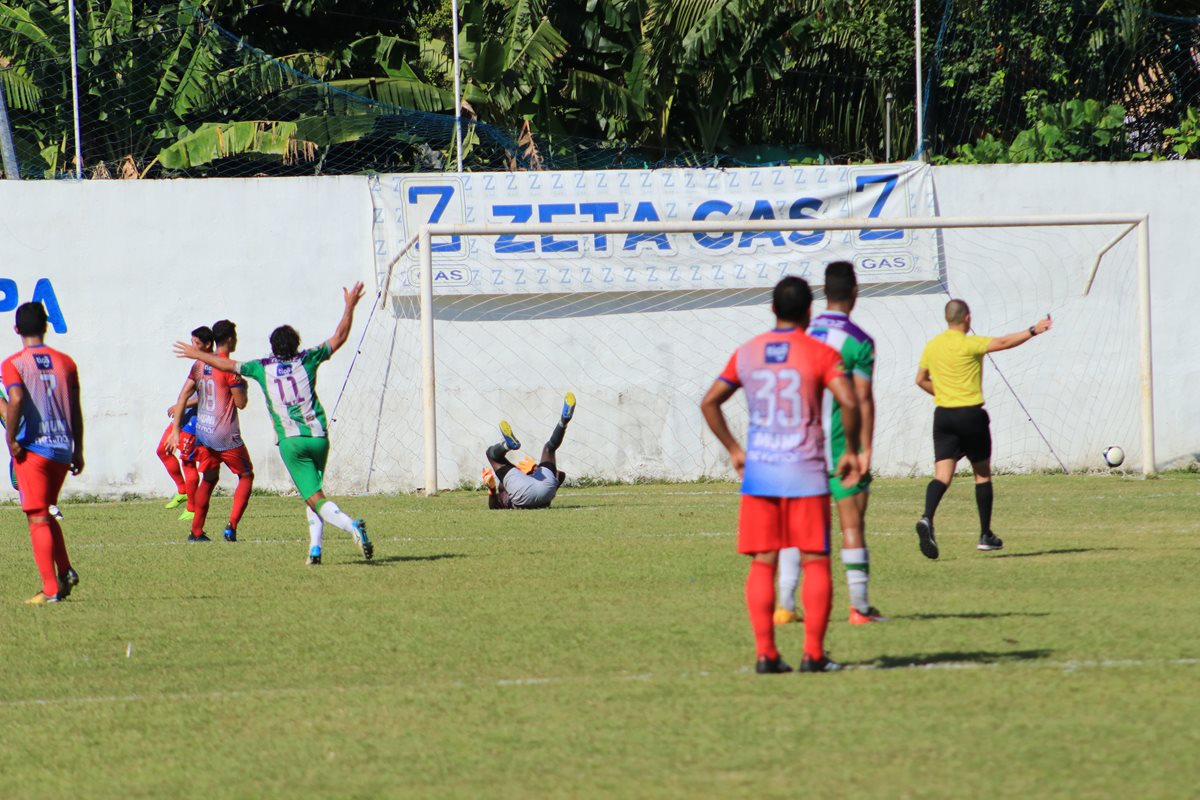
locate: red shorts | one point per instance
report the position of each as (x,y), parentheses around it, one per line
(773,523)
(236,458)
(40,479)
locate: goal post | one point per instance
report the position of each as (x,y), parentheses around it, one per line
(482,321)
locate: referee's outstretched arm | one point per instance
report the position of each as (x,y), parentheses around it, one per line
(1020,337)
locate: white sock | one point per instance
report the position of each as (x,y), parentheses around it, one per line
(858,574)
(789,577)
(316,528)
(335,516)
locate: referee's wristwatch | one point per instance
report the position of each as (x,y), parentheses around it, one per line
(1032,331)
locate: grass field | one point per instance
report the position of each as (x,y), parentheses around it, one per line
(602,649)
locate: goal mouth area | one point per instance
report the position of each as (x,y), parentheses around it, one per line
(441,355)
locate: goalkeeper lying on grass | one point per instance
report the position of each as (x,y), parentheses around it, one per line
(527,484)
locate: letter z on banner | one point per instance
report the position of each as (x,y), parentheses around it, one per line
(655,261)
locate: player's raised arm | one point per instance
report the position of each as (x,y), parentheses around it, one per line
(351,297)
(184,350)
(710,407)
(1020,337)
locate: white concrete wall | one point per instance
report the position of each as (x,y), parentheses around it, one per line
(136,265)
(1167,191)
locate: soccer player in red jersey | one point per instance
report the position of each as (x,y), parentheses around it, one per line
(44,428)
(218,434)
(785,482)
(182,469)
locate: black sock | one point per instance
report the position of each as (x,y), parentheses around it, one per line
(933,496)
(560,430)
(497,452)
(983,499)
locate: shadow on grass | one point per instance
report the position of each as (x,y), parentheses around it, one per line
(955,657)
(378,562)
(975,615)
(1059,552)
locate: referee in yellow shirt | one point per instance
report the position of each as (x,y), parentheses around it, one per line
(951,369)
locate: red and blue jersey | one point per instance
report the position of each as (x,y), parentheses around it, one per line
(784,373)
(217,426)
(50,382)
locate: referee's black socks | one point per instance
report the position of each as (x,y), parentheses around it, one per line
(933,496)
(983,499)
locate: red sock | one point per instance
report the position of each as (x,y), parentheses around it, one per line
(204,492)
(241,496)
(61,560)
(191,477)
(760,602)
(43,554)
(171,463)
(817,598)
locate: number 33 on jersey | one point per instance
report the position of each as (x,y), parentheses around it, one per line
(784,373)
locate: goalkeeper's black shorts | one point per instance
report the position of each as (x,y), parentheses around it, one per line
(959,432)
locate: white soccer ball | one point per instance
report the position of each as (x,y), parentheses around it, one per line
(1113,456)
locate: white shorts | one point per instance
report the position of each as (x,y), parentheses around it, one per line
(534,490)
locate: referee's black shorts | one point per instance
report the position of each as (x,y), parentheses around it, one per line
(959,432)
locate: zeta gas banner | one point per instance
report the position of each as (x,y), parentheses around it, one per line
(641,262)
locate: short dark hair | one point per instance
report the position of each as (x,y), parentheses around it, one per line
(31,319)
(957,311)
(840,281)
(792,299)
(285,342)
(204,334)
(223,330)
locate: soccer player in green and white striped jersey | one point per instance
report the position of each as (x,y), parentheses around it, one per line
(857,350)
(288,379)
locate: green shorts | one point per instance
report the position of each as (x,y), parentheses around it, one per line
(305,457)
(841,492)
(836,448)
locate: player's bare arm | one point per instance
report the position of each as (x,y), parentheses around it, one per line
(351,297)
(192,402)
(76,429)
(866,412)
(925,380)
(847,467)
(718,394)
(223,363)
(12,419)
(239,395)
(1020,337)
(186,394)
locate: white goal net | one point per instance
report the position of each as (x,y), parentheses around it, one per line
(639,337)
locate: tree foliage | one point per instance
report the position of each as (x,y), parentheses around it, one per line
(1010,80)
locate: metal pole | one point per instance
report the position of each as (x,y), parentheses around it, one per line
(725,226)
(457,90)
(8,151)
(887,124)
(1149,461)
(387,278)
(428,382)
(920,88)
(75,93)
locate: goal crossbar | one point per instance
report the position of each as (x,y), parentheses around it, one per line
(1138,221)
